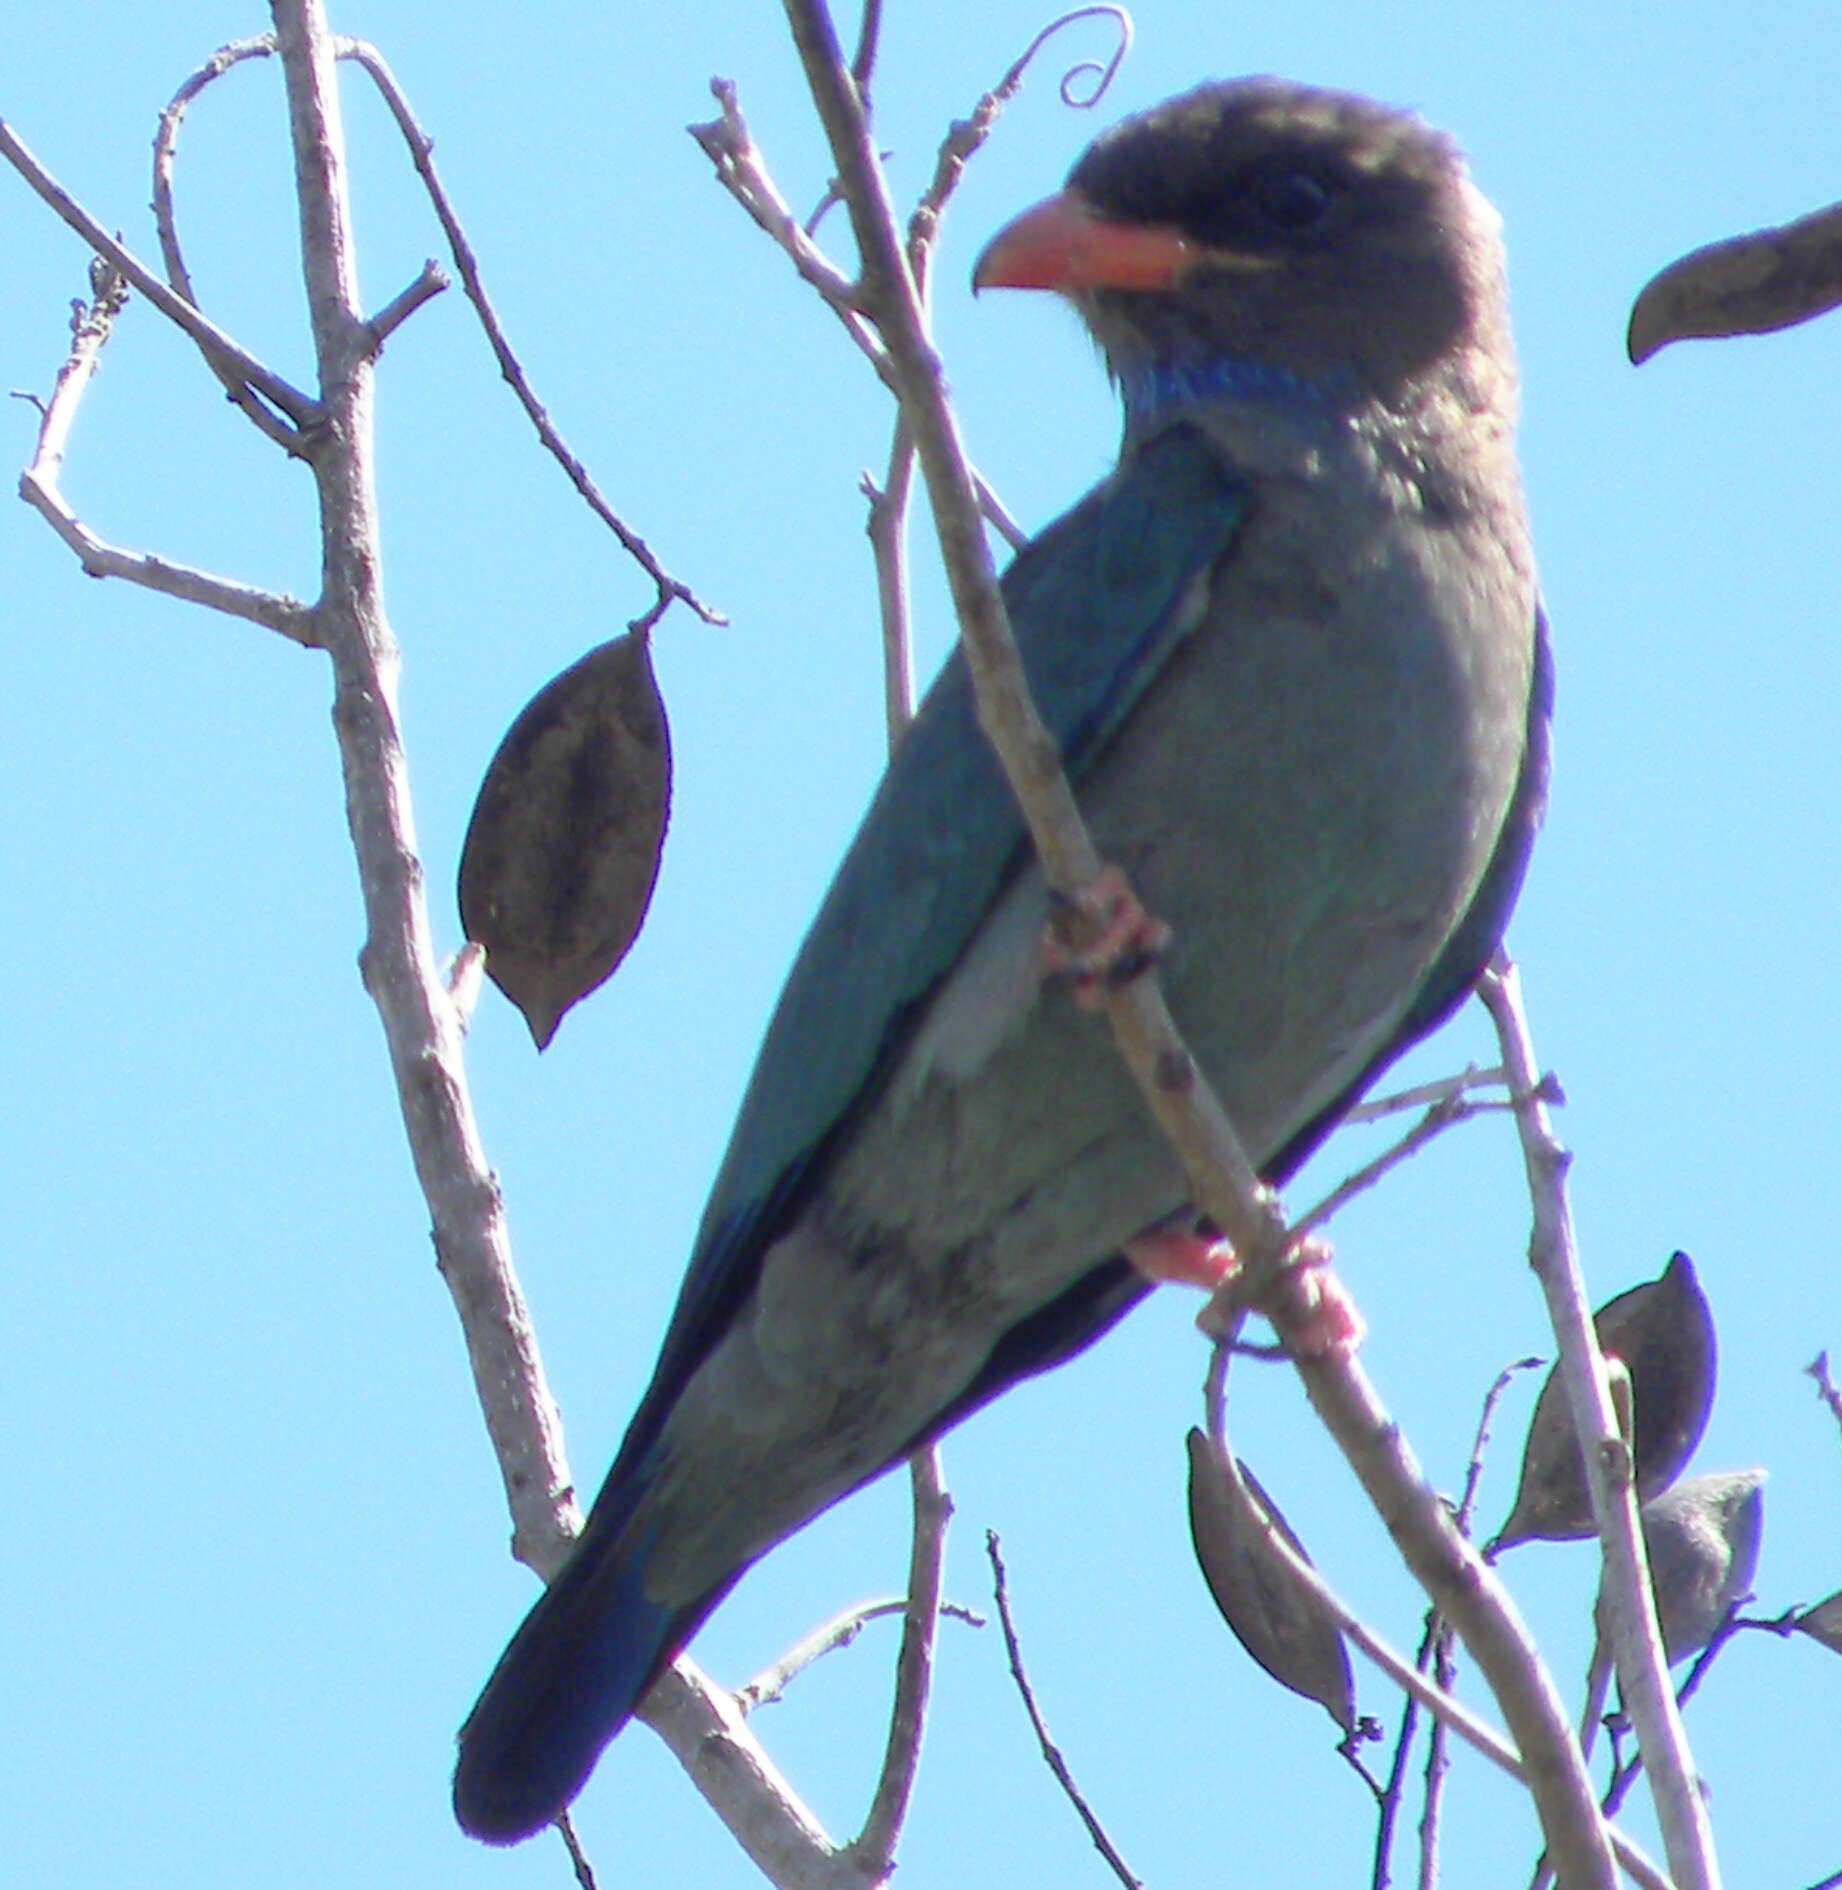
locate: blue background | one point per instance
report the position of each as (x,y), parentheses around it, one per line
(254,1566)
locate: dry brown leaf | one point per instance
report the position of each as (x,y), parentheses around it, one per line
(1823,1623)
(1663,1331)
(1747,285)
(1702,1539)
(563,849)
(1280,1622)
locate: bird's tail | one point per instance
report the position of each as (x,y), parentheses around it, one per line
(567,1683)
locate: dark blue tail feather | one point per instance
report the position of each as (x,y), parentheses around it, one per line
(571,1677)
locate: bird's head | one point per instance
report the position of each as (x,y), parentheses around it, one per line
(1257,236)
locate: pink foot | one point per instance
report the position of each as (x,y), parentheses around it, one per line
(1314,1312)
(1166,1256)
(1122,938)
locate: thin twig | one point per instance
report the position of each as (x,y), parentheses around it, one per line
(578,1858)
(1445,1114)
(40,487)
(1423,1095)
(887,526)
(166,140)
(1438,1767)
(742,171)
(1826,1387)
(166,144)
(1051,1752)
(863,60)
(831,1637)
(216,346)
(875,1845)
(992,510)
(1480,1439)
(1433,1653)
(388,319)
(422,155)
(1626,1593)
(1392,1794)
(1732,1624)
(966,136)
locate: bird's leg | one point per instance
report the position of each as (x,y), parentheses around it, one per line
(1166,1255)
(1314,1311)
(1310,1306)
(1101,938)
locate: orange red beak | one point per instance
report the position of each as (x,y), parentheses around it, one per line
(1061,244)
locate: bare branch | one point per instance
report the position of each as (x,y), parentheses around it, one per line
(1051,1752)
(995,515)
(966,136)
(875,1846)
(704,1727)
(1480,1442)
(1630,1605)
(1422,1095)
(1826,1387)
(399,308)
(832,1637)
(421,1025)
(863,61)
(578,1858)
(1445,1114)
(166,140)
(216,346)
(742,171)
(166,143)
(39,486)
(887,526)
(827,1638)
(422,156)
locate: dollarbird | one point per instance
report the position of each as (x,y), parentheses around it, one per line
(1292,651)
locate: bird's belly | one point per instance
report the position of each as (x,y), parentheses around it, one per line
(1311,809)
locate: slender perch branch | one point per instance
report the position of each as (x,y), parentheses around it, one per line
(1637,1644)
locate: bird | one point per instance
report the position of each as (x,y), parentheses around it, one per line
(1293,653)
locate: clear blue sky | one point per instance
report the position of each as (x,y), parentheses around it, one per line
(255,1562)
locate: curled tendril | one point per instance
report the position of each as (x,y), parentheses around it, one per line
(1100,72)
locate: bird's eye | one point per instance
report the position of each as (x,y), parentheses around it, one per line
(1294,199)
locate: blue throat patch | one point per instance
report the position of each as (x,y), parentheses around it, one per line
(1152,389)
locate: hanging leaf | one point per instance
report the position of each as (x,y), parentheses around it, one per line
(1747,285)
(1281,1623)
(1823,1623)
(1702,1538)
(563,849)
(1663,1331)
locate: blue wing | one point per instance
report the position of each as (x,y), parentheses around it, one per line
(1097,604)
